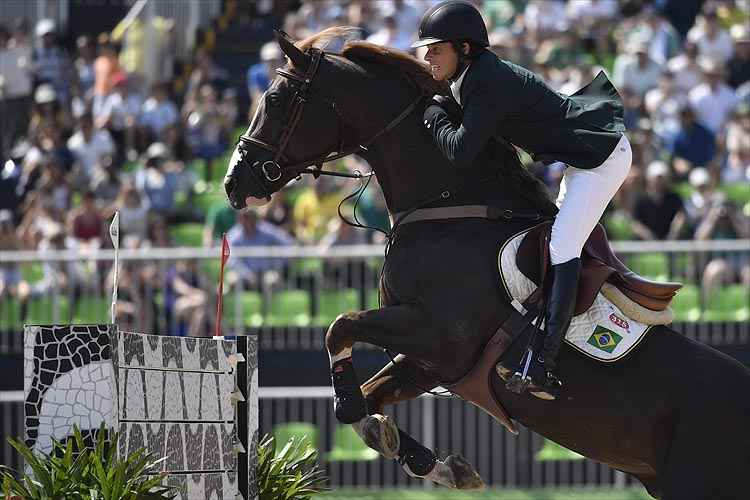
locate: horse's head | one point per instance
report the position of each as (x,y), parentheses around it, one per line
(296,125)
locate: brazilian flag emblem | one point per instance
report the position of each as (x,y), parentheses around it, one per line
(604,339)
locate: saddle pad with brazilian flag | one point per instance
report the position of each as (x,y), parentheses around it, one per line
(602,332)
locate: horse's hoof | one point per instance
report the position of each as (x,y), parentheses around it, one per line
(380,433)
(465,476)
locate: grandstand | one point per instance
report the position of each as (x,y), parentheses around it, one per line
(137,110)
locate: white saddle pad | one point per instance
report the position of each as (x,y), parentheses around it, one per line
(603,332)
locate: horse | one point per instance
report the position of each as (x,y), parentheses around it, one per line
(673,414)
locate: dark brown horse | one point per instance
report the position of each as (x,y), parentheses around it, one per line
(675,413)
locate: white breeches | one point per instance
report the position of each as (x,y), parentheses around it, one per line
(584,194)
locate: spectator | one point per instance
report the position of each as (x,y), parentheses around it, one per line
(713,100)
(123,115)
(250,231)
(89,145)
(157,185)
(685,67)
(260,75)
(663,105)
(635,70)
(206,128)
(106,65)
(48,111)
(206,72)
(15,92)
(84,64)
(714,42)
(185,298)
(11,281)
(739,65)
(694,144)
(701,198)
(664,41)
(158,111)
(86,224)
(737,169)
(724,221)
(220,218)
(658,213)
(131,305)
(544,18)
(50,61)
(314,207)
(133,213)
(106,182)
(391,36)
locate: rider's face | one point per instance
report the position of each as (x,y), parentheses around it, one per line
(443,60)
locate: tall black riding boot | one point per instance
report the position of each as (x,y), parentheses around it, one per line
(562,302)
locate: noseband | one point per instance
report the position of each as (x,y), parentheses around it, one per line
(272,170)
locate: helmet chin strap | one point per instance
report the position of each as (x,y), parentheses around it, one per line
(463,61)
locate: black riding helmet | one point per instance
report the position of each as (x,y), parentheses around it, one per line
(453,20)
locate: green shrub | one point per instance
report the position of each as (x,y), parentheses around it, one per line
(72,471)
(293,474)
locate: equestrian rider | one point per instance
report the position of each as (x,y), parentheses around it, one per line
(504,102)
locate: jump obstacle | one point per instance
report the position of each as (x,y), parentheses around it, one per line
(191,400)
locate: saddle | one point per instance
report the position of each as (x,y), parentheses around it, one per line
(598,265)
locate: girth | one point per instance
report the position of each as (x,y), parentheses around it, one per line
(461,212)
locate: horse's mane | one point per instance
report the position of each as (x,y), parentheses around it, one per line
(416,72)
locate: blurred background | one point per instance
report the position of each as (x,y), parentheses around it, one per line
(135,106)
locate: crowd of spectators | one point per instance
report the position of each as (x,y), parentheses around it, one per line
(86,134)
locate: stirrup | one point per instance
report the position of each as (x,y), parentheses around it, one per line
(549,389)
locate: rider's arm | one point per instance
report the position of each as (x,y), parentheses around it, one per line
(462,144)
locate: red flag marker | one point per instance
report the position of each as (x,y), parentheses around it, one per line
(220,302)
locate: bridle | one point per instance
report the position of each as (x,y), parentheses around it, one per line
(270,171)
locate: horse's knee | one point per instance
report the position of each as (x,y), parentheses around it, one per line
(340,334)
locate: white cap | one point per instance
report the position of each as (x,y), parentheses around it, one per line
(270,52)
(657,169)
(44,27)
(699,177)
(45,93)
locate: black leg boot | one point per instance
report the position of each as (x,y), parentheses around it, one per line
(562,302)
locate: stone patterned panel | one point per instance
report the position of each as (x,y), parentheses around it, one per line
(176,353)
(252,403)
(170,395)
(210,486)
(69,379)
(189,447)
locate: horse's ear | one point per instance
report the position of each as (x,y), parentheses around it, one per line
(299,59)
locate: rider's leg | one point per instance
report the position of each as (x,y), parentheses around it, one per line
(584,194)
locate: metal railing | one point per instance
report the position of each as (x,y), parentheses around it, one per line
(301,287)
(447,425)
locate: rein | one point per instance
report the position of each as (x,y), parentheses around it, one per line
(272,170)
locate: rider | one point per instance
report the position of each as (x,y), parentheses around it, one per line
(504,102)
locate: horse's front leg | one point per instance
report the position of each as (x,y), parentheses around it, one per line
(399,381)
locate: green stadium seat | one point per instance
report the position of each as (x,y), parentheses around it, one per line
(686,304)
(373,299)
(334,302)
(728,303)
(738,193)
(92,310)
(348,446)
(282,433)
(10,314)
(618,227)
(552,452)
(187,234)
(251,307)
(41,311)
(652,265)
(32,272)
(289,308)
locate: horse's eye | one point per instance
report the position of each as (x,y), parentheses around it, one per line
(273,99)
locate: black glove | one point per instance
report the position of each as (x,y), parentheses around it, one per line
(442,106)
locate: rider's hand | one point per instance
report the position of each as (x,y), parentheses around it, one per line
(444,107)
